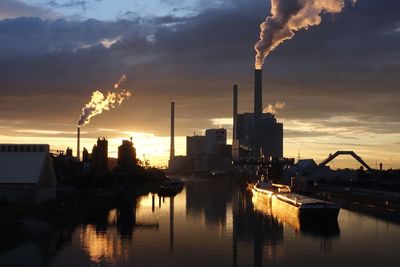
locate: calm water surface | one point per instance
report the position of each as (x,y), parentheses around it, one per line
(211,223)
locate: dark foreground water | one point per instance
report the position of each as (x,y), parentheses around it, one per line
(211,223)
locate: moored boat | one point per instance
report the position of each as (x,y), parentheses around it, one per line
(304,207)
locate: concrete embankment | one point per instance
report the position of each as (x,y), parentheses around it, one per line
(377,203)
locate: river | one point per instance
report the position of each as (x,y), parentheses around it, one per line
(210,223)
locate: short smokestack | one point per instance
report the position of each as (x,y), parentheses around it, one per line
(258,92)
(78,144)
(235,110)
(172,148)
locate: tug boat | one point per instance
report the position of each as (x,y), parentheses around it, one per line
(305,208)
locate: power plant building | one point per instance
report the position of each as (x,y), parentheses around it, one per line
(205,154)
(270,134)
(100,156)
(126,156)
(254,134)
(257,133)
(195,145)
(214,138)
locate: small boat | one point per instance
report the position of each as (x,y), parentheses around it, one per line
(304,207)
(171,187)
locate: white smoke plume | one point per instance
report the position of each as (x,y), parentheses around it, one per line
(274,109)
(289,16)
(100,102)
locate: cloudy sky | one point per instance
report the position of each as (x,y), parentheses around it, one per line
(339,81)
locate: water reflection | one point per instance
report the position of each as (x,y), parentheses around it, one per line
(108,237)
(326,231)
(208,201)
(171,224)
(265,232)
(210,223)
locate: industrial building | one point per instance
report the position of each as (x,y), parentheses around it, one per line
(254,134)
(206,154)
(126,156)
(257,133)
(99,161)
(27,173)
(215,138)
(270,137)
(195,145)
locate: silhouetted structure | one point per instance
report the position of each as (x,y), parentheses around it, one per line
(195,145)
(172,145)
(100,156)
(351,153)
(270,133)
(126,156)
(85,155)
(69,152)
(258,132)
(235,110)
(215,138)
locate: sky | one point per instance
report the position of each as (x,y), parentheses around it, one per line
(339,81)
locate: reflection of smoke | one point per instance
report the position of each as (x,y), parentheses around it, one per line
(274,109)
(99,102)
(289,16)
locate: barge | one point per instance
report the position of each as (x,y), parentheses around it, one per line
(305,208)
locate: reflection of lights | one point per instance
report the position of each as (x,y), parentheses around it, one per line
(104,246)
(112,216)
(275,208)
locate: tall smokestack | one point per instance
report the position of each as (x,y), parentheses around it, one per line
(78,144)
(235,110)
(257,112)
(258,92)
(172,148)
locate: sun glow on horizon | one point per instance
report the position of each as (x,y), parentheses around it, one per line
(307,139)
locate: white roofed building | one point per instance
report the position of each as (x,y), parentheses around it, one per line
(26,173)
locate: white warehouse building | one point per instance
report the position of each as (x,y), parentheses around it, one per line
(26,173)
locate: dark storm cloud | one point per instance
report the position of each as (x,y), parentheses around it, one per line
(347,66)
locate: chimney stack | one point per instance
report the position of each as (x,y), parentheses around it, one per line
(257,112)
(235,110)
(172,148)
(78,144)
(257,92)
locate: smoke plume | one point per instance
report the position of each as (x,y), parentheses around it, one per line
(289,16)
(100,102)
(121,80)
(274,109)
